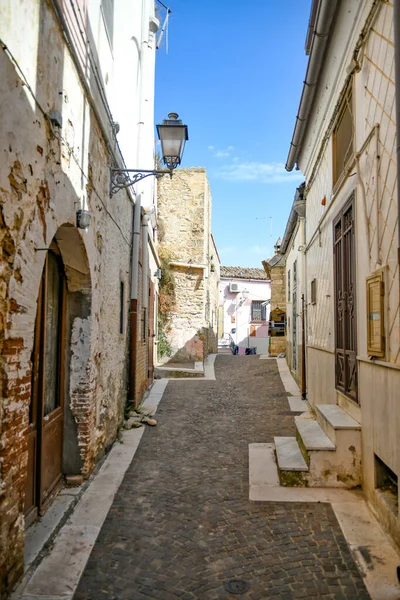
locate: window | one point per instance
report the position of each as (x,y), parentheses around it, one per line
(314,291)
(295,275)
(144,324)
(121,307)
(107,8)
(288,286)
(375,314)
(343,137)
(259,310)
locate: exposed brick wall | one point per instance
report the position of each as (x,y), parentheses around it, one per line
(42,184)
(16,384)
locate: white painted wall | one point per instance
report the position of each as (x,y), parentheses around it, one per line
(374,186)
(235,307)
(295,253)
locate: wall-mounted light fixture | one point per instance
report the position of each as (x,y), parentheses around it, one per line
(244,296)
(173,135)
(82,219)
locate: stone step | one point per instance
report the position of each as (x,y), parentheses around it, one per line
(289,456)
(312,435)
(336,422)
(297,403)
(337,417)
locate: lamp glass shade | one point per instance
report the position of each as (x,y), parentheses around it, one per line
(173,135)
(245,293)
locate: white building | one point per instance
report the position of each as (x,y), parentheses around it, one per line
(344,142)
(245,295)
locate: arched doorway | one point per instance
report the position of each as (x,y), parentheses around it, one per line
(46,411)
(61,402)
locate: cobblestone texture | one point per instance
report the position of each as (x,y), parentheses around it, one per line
(181,524)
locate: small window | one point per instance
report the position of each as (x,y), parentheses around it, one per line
(295,274)
(107,8)
(288,286)
(144,324)
(314,291)
(259,310)
(386,481)
(375,315)
(343,137)
(121,307)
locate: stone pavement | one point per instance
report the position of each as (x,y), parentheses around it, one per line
(181,524)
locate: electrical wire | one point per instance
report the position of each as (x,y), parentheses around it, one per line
(162,4)
(59,137)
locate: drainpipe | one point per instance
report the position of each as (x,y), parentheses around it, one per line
(133,312)
(145,261)
(396,20)
(303,350)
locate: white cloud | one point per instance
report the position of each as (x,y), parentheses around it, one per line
(257,249)
(256,171)
(223,153)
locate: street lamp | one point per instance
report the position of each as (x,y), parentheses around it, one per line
(173,135)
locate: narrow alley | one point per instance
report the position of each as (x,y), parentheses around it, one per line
(181,524)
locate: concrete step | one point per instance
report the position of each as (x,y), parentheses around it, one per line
(289,455)
(292,468)
(162,372)
(332,445)
(312,435)
(333,420)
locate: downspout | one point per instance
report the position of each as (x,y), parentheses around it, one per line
(145,261)
(133,312)
(303,315)
(396,20)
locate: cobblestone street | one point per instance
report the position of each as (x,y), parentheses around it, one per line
(181,524)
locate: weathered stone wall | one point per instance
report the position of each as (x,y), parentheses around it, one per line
(187,319)
(184,211)
(278,300)
(47,173)
(182,214)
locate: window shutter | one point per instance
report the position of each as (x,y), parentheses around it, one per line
(375,315)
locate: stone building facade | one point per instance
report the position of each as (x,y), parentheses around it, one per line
(64,287)
(186,243)
(275,270)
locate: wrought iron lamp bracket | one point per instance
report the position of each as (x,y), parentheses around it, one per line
(122,178)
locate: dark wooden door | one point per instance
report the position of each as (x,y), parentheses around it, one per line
(345,302)
(45,436)
(151,335)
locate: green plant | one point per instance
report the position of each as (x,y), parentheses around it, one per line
(166,303)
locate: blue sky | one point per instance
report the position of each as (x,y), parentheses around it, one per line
(234,73)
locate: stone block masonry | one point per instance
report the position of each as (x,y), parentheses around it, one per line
(184,210)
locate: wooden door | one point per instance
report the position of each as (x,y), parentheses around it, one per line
(151,335)
(345,302)
(45,436)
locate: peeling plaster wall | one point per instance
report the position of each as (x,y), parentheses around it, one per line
(46,174)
